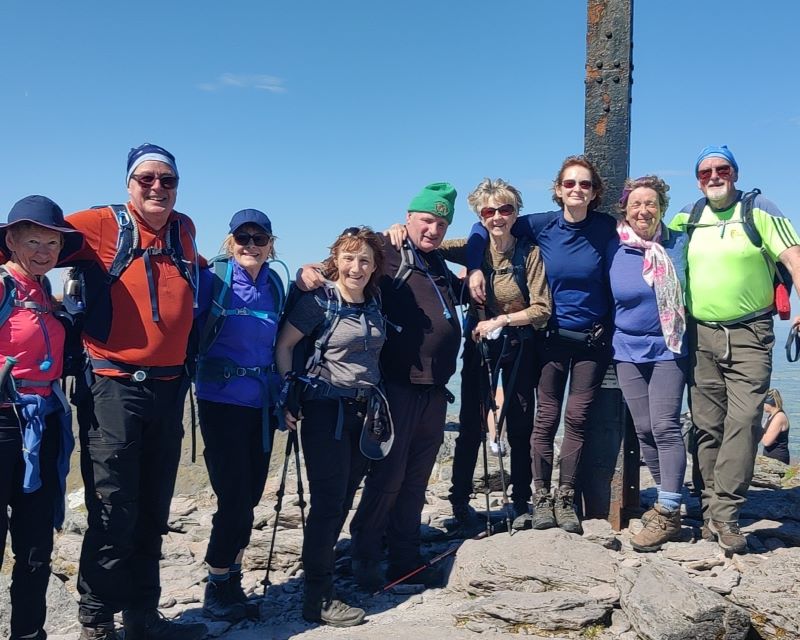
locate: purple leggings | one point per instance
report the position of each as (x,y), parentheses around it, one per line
(653,392)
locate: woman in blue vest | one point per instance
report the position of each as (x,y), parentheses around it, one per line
(35,418)
(239,303)
(647,274)
(572,242)
(343,410)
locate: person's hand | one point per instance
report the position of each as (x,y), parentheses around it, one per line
(309,277)
(291,421)
(484,328)
(477,286)
(397,234)
(796,323)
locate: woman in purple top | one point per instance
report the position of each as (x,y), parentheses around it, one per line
(239,303)
(646,271)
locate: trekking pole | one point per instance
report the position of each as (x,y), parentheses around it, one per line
(428,564)
(295,442)
(498,427)
(485,429)
(278,504)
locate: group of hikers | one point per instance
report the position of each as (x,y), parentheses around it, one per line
(356,358)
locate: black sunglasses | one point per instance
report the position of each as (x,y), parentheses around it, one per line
(147,180)
(259,239)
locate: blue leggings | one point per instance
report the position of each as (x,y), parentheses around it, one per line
(654,392)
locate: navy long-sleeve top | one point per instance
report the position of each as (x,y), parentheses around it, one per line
(574,255)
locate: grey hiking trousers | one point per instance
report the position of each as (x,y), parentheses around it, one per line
(730,374)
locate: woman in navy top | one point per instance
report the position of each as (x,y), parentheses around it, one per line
(646,270)
(573,243)
(239,303)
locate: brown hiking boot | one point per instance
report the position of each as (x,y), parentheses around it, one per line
(543,517)
(706,533)
(564,510)
(729,537)
(659,526)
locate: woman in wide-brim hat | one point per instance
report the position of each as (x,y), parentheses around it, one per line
(35,419)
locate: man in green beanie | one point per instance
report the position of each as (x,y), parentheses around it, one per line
(422,341)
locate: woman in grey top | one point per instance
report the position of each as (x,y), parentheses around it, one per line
(337,378)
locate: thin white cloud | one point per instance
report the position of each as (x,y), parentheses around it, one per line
(260,82)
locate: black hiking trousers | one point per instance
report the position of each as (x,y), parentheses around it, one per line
(237,468)
(518,424)
(334,469)
(130,451)
(31,520)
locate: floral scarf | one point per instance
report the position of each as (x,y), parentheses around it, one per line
(659,273)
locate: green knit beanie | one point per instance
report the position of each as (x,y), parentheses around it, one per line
(438,198)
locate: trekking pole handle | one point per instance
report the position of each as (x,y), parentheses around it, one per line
(5,371)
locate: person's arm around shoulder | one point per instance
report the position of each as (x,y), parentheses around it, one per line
(774,429)
(541,306)
(454,250)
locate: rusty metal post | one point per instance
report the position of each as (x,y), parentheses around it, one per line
(609,470)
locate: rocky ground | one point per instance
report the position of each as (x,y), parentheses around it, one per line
(543,584)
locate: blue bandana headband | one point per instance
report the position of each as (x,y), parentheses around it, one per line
(712,151)
(147,152)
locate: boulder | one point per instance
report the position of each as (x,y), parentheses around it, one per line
(534,561)
(770,590)
(768,473)
(663,603)
(558,612)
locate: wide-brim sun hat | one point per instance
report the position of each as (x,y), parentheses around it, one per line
(42,211)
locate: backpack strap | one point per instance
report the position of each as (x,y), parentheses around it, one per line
(695,215)
(9,296)
(408,263)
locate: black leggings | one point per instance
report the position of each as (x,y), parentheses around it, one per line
(586,367)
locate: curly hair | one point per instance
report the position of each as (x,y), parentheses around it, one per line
(648,182)
(353,239)
(498,189)
(597,182)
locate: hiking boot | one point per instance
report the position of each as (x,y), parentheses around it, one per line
(41,635)
(706,533)
(564,510)
(251,608)
(334,613)
(429,577)
(464,514)
(543,516)
(729,537)
(522,517)
(150,624)
(220,602)
(368,574)
(660,526)
(102,632)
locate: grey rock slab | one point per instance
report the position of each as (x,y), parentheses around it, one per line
(769,504)
(538,613)
(787,531)
(768,473)
(62,608)
(663,603)
(720,580)
(531,561)
(702,551)
(770,590)
(600,532)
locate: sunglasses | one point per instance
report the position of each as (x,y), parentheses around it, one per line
(503,210)
(259,239)
(586,185)
(147,180)
(724,172)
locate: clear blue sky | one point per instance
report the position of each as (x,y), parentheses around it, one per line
(328,114)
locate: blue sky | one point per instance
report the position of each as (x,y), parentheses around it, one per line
(329,114)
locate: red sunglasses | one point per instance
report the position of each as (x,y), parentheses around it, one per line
(503,210)
(724,172)
(147,180)
(586,185)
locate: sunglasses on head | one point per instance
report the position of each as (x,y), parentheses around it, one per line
(147,180)
(583,184)
(503,210)
(351,231)
(723,172)
(259,239)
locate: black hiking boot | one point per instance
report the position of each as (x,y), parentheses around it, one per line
(332,612)
(252,608)
(464,515)
(368,574)
(101,632)
(564,510)
(543,516)
(220,602)
(150,624)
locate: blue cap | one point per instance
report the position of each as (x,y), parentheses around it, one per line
(712,151)
(252,216)
(146,152)
(42,211)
